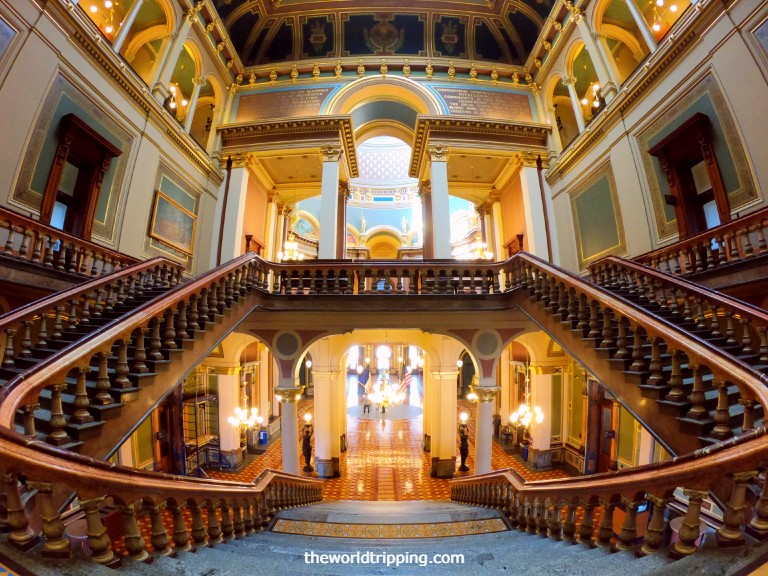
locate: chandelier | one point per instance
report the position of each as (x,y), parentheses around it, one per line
(243,419)
(107,12)
(290,249)
(385,395)
(526,415)
(595,96)
(659,12)
(479,251)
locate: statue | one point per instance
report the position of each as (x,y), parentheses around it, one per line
(404,224)
(306,443)
(463,443)
(363,223)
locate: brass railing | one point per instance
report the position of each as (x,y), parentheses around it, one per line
(735,241)
(28,240)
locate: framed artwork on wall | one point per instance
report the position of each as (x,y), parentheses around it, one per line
(172,224)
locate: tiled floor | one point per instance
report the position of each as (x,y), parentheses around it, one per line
(385,461)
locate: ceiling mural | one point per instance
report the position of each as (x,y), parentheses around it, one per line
(265,31)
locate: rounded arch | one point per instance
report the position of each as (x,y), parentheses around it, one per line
(139,39)
(196,53)
(372,88)
(218,90)
(550,86)
(383,128)
(573,50)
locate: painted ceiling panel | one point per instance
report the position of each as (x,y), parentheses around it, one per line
(427,28)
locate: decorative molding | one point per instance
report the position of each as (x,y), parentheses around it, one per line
(438,151)
(485,393)
(578,152)
(331,151)
(431,130)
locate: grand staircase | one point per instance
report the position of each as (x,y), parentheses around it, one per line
(140,336)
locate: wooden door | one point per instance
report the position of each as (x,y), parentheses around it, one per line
(607,437)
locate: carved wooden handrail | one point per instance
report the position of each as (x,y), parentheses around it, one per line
(701,308)
(734,241)
(31,241)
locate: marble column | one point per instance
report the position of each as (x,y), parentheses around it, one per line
(326,416)
(608,83)
(341,221)
(570,83)
(171,56)
(271,238)
(234,212)
(289,426)
(443,423)
(533,209)
(441,214)
(645,30)
(229,436)
(506,406)
(541,434)
(329,199)
(213,146)
(425,191)
(265,386)
(497,221)
(486,392)
(125,25)
(198,83)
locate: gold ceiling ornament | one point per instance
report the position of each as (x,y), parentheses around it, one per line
(337,70)
(383,68)
(406,69)
(273,74)
(473,72)
(494,75)
(515,78)
(316,71)
(537,63)
(535,88)
(429,70)
(277,3)
(239,77)
(557,26)
(483,393)
(252,78)
(220,46)
(210,26)
(528,77)
(547,45)
(294,73)
(230,63)
(451,70)
(360,69)
(490,4)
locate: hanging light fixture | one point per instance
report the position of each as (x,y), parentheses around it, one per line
(526,415)
(290,250)
(107,13)
(658,12)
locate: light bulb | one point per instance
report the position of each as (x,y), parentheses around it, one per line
(107,4)
(463,416)
(584,101)
(656,27)
(307,417)
(659,2)
(596,103)
(172,104)
(172,88)
(108,29)
(595,87)
(673,8)
(94,9)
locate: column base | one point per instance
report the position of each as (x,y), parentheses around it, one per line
(427,443)
(727,542)
(324,468)
(442,468)
(160,92)
(233,458)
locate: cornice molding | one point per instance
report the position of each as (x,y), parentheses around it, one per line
(308,128)
(446,131)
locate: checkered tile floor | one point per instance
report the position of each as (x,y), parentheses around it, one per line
(385,461)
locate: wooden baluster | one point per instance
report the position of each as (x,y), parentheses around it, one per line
(531,516)
(11,240)
(221,304)
(748,422)
(689,529)
(140,354)
(26,340)
(248,527)
(654,535)
(109,301)
(155,342)
(121,296)
(587,528)
(55,544)
(98,540)
(8,353)
(655,367)
(95,259)
(746,242)
(730,331)
(214,530)
(199,533)
(81,404)
(180,533)
(103,385)
(213,299)
(746,337)
(622,340)
(569,526)
(761,244)
(85,314)
(181,321)
(121,366)
(607,332)
(628,532)
(583,323)
(57,422)
(160,540)
(72,320)
(134,541)
(29,420)
(605,532)
(37,248)
(722,429)
(257,519)
(701,323)
(237,520)
(48,244)
(97,305)
(83,261)
(228,291)
(203,318)
(572,317)
(169,335)
(227,527)
(676,394)
(72,265)
(758,527)
(733,248)
(731,534)
(193,315)
(61,260)
(697,397)
(26,238)
(22,537)
(763,350)
(554,526)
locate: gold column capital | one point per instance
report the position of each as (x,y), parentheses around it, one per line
(485,393)
(289,395)
(425,188)
(438,151)
(331,151)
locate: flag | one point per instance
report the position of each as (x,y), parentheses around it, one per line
(406,381)
(363,377)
